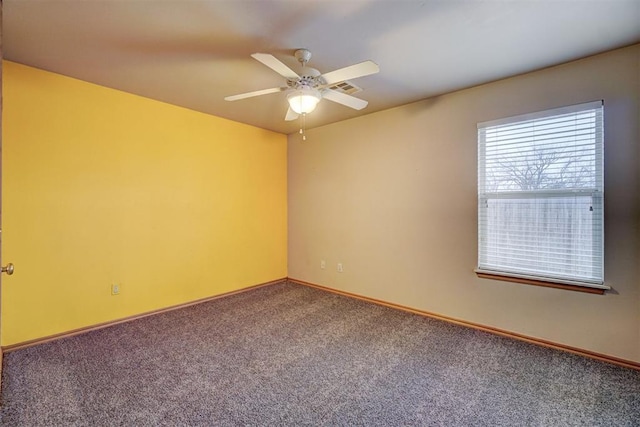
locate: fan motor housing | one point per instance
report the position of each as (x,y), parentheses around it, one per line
(310,78)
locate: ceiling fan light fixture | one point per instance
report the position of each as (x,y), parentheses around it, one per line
(304,100)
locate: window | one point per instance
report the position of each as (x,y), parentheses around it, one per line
(540,196)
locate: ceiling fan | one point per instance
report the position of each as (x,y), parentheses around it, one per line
(306,90)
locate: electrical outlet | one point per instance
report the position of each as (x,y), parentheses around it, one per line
(115,289)
(340,267)
(323,264)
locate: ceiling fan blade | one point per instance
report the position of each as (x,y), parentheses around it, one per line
(291,115)
(275,64)
(344,99)
(351,72)
(254,93)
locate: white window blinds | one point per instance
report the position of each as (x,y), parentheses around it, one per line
(540,195)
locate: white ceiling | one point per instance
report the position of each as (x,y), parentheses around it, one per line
(193,53)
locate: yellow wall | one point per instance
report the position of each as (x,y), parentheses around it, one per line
(393,197)
(102,187)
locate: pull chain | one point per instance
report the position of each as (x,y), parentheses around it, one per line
(303,127)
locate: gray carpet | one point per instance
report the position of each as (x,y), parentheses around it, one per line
(291,355)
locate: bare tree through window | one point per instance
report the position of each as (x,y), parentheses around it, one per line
(543,169)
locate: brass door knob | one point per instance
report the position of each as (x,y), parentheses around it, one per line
(8,269)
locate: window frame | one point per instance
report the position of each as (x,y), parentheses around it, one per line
(596,194)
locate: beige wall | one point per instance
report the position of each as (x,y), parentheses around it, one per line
(392,196)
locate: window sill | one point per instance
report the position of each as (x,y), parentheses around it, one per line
(496,276)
